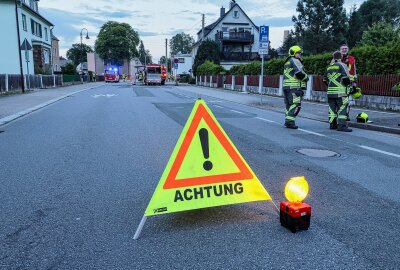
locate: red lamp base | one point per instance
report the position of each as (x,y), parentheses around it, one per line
(295,216)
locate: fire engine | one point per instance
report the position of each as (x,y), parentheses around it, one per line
(155,74)
(111,74)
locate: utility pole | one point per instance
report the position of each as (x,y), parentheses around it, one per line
(166,54)
(202,27)
(19,49)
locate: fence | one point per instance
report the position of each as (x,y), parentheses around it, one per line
(374,85)
(12,82)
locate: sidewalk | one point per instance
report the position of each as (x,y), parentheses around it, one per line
(380,120)
(15,106)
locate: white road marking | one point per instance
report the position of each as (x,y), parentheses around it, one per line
(218,106)
(107,95)
(266,120)
(379,151)
(237,112)
(311,132)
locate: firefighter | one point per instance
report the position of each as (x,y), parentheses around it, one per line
(294,82)
(337,78)
(350,62)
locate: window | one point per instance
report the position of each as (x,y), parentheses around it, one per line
(46,56)
(46,34)
(236,14)
(181,60)
(24,22)
(36,28)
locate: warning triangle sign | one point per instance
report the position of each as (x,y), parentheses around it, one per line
(204,170)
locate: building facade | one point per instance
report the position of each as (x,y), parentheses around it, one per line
(23,24)
(185,63)
(236,33)
(55,53)
(97,65)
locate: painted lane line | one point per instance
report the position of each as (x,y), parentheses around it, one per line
(266,120)
(218,106)
(311,132)
(379,151)
(237,111)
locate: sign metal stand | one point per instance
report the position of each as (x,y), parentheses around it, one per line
(263,50)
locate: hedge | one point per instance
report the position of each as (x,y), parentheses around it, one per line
(369,61)
(209,68)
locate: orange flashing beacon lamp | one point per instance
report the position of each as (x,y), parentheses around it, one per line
(294,214)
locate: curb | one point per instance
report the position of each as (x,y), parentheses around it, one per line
(10,118)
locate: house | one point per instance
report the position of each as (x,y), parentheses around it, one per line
(237,34)
(185,63)
(98,65)
(23,24)
(55,55)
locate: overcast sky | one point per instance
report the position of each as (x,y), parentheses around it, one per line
(156,20)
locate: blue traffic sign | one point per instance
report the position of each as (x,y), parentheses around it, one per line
(264,39)
(264,33)
(175,66)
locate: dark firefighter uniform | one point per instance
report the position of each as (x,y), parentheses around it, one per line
(294,82)
(337,78)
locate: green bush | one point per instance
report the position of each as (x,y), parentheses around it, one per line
(209,68)
(370,60)
(192,80)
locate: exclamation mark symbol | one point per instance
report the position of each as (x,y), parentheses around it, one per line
(203,133)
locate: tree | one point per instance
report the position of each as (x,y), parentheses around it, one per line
(356,27)
(144,55)
(117,42)
(380,34)
(320,25)
(78,53)
(69,69)
(372,11)
(208,50)
(181,43)
(289,42)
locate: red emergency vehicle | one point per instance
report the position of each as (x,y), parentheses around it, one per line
(111,74)
(155,74)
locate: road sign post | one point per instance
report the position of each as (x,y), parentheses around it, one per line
(27,47)
(263,50)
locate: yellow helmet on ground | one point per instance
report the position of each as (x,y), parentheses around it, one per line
(295,49)
(362,117)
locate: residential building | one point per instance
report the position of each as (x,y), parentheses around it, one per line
(237,34)
(185,63)
(55,49)
(98,65)
(20,21)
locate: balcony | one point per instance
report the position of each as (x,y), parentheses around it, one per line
(239,56)
(235,37)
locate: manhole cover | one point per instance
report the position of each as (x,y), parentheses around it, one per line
(318,153)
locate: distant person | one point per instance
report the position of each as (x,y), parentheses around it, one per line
(337,78)
(294,82)
(350,62)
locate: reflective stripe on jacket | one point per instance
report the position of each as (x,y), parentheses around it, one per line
(333,76)
(292,67)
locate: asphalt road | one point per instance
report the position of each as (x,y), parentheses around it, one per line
(76,178)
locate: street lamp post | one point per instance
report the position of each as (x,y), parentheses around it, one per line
(87,37)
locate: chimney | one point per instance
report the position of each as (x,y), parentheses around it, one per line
(232,3)
(222,13)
